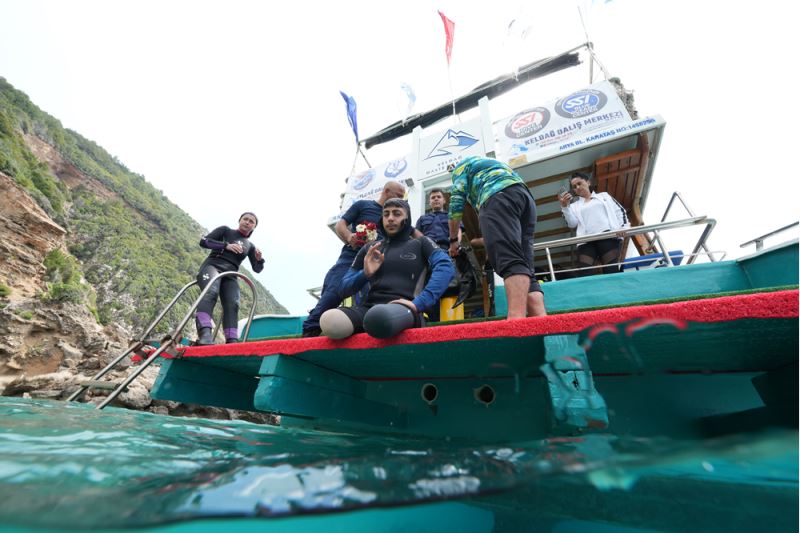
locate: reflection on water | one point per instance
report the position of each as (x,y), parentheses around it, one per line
(68,466)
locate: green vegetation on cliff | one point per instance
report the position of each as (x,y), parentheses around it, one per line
(135,247)
(65,281)
(17,161)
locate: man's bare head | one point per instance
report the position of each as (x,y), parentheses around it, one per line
(392,189)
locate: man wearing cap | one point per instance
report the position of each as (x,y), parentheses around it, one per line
(507,217)
(360,212)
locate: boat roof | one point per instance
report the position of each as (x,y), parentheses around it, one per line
(490,89)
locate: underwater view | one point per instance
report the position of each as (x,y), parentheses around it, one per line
(68,467)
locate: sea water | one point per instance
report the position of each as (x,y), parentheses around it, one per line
(68,467)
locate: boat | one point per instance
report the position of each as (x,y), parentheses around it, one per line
(707,345)
(682,343)
(716,343)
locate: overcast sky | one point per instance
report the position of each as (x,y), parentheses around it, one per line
(234,106)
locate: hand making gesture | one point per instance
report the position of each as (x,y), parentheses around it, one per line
(373,259)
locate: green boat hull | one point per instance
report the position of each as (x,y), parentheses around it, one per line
(680,379)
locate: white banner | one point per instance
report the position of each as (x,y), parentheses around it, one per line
(369,184)
(561,122)
(450,146)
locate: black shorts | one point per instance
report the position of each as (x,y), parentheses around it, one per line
(597,249)
(507,221)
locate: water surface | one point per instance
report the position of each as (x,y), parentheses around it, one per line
(70,467)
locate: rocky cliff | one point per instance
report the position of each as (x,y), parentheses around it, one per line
(80,271)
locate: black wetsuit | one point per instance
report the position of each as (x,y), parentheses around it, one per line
(360,212)
(402,275)
(222,260)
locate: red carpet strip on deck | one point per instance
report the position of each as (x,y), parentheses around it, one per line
(780,304)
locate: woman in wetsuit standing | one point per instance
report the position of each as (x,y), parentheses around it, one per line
(228,248)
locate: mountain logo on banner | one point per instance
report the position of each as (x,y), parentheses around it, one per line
(526,123)
(452,142)
(395,168)
(363,179)
(581,103)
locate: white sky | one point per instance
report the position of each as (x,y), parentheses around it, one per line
(234,106)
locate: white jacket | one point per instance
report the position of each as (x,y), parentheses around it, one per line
(617,217)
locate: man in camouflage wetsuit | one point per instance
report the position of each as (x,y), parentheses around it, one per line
(507,217)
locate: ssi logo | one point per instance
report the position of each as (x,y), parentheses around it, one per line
(581,103)
(363,179)
(395,168)
(528,122)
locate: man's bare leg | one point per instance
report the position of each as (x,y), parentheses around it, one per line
(517,286)
(536,304)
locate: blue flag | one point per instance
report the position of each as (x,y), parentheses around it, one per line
(351,113)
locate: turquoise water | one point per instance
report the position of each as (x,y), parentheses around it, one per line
(70,467)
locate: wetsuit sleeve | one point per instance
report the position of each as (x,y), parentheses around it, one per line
(258,266)
(442,272)
(214,240)
(355,277)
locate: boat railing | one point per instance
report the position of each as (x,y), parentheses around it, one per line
(655,229)
(632,263)
(168,342)
(677,196)
(759,241)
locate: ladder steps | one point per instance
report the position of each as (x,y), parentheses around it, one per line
(99,384)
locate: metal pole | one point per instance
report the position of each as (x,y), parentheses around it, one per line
(173,338)
(140,342)
(550,263)
(83,388)
(664,251)
(116,392)
(701,243)
(158,319)
(252,308)
(689,210)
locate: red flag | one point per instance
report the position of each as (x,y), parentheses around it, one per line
(449,30)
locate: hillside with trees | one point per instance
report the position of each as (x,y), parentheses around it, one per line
(128,248)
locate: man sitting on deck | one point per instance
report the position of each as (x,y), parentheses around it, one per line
(507,216)
(360,212)
(395,268)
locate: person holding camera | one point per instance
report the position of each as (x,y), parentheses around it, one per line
(594,212)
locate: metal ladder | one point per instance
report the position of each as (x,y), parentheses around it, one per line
(166,343)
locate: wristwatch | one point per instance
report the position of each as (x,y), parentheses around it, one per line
(453,239)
